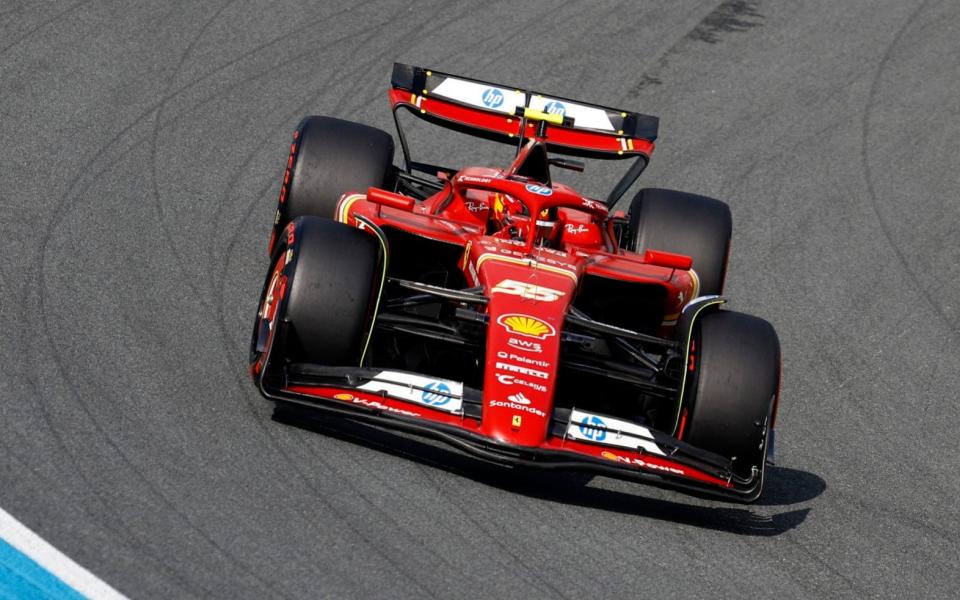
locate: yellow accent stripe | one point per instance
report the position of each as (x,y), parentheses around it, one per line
(696,284)
(686,355)
(533,114)
(377,233)
(466,254)
(343,210)
(527,262)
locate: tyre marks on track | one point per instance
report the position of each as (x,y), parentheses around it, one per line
(727,17)
(873,196)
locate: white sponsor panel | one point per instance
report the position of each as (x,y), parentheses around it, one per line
(512,368)
(583,116)
(481,95)
(611,432)
(440,394)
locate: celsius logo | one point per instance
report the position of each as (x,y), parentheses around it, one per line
(492,97)
(554,108)
(436,393)
(593,428)
(539,189)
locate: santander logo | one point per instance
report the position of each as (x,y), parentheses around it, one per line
(519,398)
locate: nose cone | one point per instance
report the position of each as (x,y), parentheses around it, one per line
(526,311)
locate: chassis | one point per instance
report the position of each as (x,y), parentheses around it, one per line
(507,314)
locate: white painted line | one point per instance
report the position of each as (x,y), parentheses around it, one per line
(57,563)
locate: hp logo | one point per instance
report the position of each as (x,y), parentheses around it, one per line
(434,393)
(591,429)
(492,97)
(554,108)
(539,189)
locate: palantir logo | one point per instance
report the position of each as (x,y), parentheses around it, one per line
(593,428)
(554,108)
(436,393)
(492,97)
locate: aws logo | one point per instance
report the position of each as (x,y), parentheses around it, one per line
(527,326)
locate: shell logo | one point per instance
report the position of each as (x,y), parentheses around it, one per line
(609,455)
(527,326)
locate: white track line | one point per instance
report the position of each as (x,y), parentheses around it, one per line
(57,563)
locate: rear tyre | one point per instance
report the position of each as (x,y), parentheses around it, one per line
(326,310)
(734,385)
(328,158)
(688,224)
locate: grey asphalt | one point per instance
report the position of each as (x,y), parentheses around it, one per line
(141,146)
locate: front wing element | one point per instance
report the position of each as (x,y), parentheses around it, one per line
(451,412)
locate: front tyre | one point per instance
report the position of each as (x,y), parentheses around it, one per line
(318,301)
(734,385)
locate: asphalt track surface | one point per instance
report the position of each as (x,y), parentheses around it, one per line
(141,152)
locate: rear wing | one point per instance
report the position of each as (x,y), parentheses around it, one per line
(496,112)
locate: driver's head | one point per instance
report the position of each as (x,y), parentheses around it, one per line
(547,227)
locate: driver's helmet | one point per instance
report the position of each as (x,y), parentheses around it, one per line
(548,228)
(504,208)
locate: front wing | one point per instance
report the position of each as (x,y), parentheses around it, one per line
(450,412)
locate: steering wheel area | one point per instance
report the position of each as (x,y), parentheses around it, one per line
(522,210)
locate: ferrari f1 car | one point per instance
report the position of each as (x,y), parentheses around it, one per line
(505,313)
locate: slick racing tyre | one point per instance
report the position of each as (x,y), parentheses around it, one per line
(319,299)
(688,224)
(329,157)
(734,385)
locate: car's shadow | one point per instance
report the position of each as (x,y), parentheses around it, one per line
(783,486)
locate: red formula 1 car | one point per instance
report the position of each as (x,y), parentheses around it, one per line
(507,314)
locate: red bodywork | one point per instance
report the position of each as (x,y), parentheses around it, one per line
(540,282)
(529,290)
